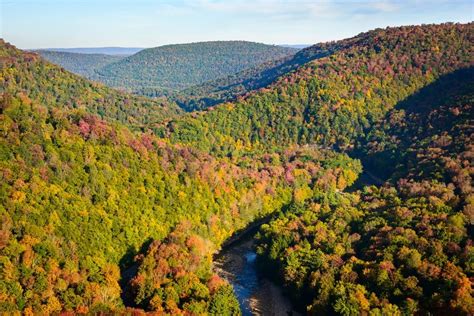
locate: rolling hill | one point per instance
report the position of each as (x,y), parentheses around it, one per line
(161,70)
(175,67)
(238,85)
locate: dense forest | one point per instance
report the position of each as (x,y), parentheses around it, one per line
(84,65)
(405,247)
(84,200)
(332,101)
(166,70)
(213,92)
(111,202)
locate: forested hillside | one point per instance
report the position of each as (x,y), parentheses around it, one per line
(238,85)
(404,248)
(116,203)
(437,119)
(49,85)
(401,100)
(158,70)
(332,101)
(82,64)
(86,204)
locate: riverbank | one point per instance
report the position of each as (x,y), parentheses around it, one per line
(256,294)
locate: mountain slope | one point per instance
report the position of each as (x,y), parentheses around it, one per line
(175,67)
(237,85)
(82,64)
(333,100)
(405,248)
(437,119)
(28,74)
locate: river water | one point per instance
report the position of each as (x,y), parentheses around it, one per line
(257,295)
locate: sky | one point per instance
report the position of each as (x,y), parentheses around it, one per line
(151,23)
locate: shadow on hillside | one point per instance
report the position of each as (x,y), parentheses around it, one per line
(380,166)
(128,270)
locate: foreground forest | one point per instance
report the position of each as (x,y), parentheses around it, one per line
(116,203)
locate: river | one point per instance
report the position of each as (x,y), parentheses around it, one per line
(257,295)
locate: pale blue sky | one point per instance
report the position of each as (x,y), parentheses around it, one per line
(149,23)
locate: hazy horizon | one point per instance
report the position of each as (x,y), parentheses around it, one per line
(298,45)
(31,24)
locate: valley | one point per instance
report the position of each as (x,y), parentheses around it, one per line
(237,178)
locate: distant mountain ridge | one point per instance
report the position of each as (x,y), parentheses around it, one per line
(121,51)
(83,64)
(175,67)
(298,46)
(161,70)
